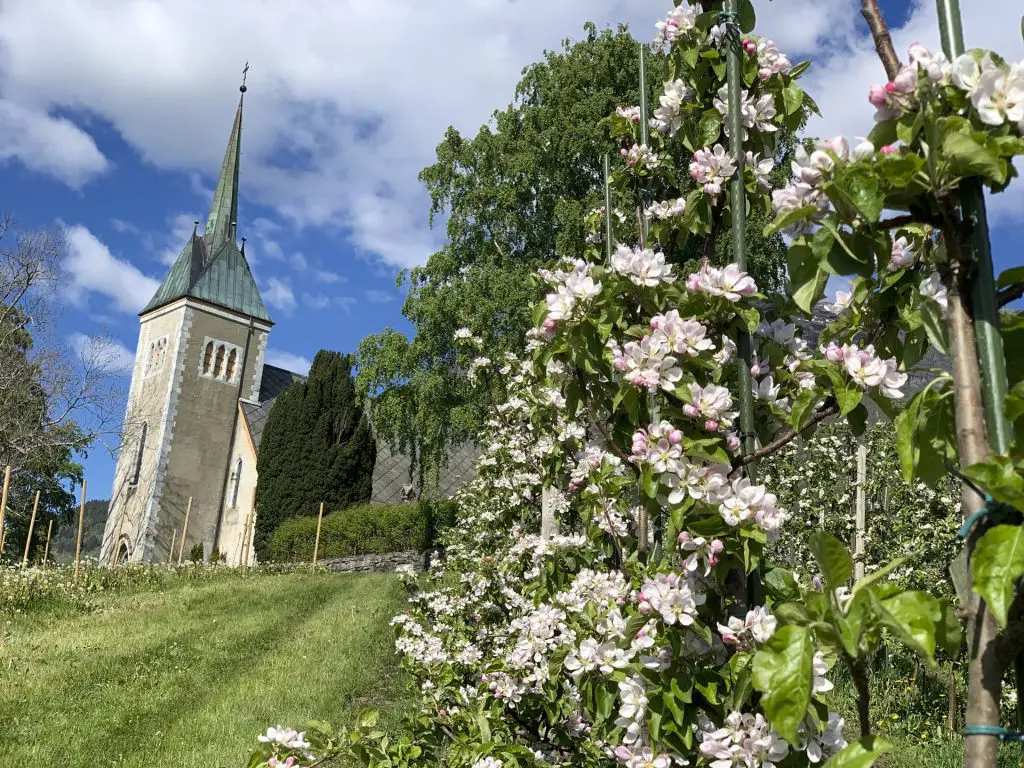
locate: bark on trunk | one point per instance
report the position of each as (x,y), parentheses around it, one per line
(984,672)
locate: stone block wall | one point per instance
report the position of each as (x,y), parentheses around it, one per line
(385,562)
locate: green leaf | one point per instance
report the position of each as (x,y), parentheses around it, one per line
(998,476)
(783,674)
(858,420)
(745,16)
(947,631)
(966,156)
(997,564)
(781,584)
(709,128)
(860,754)
(792,98)
(935,326)
(913,616)
(833,559)
(1009,277)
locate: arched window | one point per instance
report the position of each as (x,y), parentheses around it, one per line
(238,481)
(138,456)
(218,367)
(208,357)
(230,375)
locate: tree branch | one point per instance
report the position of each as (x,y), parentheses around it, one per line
(829,408)
(883,40)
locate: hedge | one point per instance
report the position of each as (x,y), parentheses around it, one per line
(363,529)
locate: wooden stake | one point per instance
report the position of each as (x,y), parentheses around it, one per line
(184,530)
(31,525)
(243,552)
(316,544)
(860,510)
(46,552)
(78,543)
(170,551)
(3,505)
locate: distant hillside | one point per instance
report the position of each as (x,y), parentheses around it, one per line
(63,545)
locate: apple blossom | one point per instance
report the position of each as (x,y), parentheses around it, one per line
(903,255)
(667,209)
(932,288)
(712,168)
(680,22)
(644,266)
(640,156)
(668,116)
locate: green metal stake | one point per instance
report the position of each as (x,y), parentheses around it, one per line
(609,239)
(645,136)
(991,358)
(738,206)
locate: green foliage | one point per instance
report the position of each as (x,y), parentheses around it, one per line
(997,564)
(187,662)
(195,554)
(783,674)
(359,530)
(316,447)
(517,197)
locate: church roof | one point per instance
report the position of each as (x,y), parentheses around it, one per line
(211,267)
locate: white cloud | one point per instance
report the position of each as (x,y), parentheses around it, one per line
(279,294)
(337,126)
(326,276)
(316,301)
(346,303)
(51,145)
(378,297)
(93,269)
(103,352)
(288,360)
(181,226)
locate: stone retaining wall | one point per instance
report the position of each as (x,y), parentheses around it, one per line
(385,562)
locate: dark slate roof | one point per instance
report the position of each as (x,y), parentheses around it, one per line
(392,470)
(272,384)
(220,277)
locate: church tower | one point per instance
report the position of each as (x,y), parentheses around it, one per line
(202,340)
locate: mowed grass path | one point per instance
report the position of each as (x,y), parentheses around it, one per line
(189,676)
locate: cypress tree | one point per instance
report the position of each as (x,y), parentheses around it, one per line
(316,446)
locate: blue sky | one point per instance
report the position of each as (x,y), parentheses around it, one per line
(121,142)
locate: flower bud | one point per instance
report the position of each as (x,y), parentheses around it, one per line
(637,380)
(863,149)
(877,96)
(711,425)
(732,443)
(888,149)
(684,537)
(675,437)
(690,410)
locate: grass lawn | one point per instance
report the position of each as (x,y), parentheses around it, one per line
(188,676)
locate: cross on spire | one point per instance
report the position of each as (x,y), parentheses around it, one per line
(245,73)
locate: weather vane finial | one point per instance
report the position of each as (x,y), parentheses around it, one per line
(245,73)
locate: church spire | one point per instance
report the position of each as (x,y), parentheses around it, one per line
(223,219)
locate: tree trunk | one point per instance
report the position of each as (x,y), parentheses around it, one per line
(984,671)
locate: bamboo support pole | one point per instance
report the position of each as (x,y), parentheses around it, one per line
(3,505)
(170,549)
(78,540)
(316,544)
(243,549)
(184,530)
(642,523)
(860,511)
(46,551)
(31,526)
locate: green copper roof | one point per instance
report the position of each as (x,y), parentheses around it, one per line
(223,218)
(210,267)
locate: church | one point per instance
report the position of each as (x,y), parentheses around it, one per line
(199,398)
